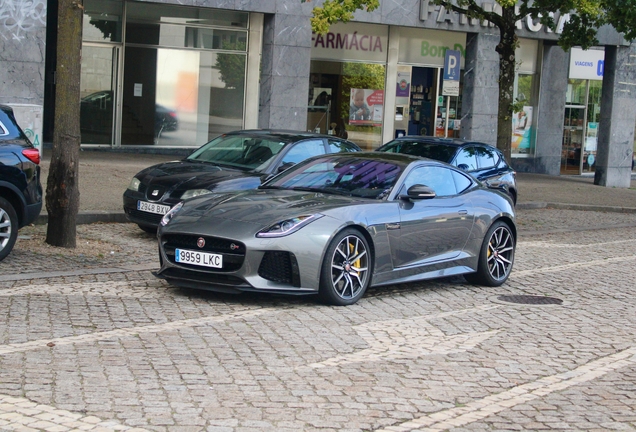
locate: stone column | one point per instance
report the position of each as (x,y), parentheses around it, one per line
(618,117)
(551,110)
(285,70)
(480,97)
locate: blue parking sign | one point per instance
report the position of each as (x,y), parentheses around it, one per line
(452,61)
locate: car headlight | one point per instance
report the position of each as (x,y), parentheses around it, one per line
(288,226)
(195,193)
(134,184)
(173,211)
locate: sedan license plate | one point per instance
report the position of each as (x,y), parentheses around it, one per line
(203,259)
(152,207)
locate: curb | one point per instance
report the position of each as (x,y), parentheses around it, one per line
(109,216)
(580,207)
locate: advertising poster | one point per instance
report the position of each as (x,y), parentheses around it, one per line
(521,124)
(403,88)
(366,107)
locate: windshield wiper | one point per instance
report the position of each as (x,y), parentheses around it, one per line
(306,189)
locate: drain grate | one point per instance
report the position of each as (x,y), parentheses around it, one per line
(530,299)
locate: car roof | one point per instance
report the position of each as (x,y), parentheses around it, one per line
(398,158)
(282,134)
(456,142)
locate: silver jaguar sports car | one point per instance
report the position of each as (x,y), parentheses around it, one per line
(336,224)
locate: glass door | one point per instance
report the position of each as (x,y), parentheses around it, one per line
(573,139)
(97,92)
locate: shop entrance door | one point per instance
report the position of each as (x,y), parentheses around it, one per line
(97,92)
(423,111)
(572,154)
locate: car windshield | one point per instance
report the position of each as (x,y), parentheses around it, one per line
(351,176)
(440,152)
(246,152)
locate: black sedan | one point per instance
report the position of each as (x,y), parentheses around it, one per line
(483,161)
(334,225)
(234,161)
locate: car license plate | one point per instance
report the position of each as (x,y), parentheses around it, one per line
(203,259)
(152,207)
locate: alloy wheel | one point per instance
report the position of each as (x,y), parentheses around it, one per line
(500,253)
(349,267)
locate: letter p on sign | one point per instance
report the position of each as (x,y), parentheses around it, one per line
(452,60)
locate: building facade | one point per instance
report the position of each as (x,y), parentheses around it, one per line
(174,74)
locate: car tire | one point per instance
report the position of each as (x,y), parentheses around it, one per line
(8,227)
(346,269)
(148,229)
(496,256)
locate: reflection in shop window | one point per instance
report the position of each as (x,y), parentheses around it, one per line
(347,99)
(523,133)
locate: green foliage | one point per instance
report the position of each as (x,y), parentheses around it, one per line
(338,10)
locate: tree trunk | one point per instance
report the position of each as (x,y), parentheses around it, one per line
(62,190)
(507,66)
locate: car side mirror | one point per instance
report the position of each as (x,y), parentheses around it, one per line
(418,192)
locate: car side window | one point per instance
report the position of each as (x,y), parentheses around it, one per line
(485,157)
(438,178)
(462,182)
(336,146)
(303,150)
(466,158)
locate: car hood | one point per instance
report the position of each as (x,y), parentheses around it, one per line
(197,175)
(260,207)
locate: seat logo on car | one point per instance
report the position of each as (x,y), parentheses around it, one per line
(155,192)
(201,242)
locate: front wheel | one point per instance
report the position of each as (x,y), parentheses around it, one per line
(346,269)
(496,256)
(8,227)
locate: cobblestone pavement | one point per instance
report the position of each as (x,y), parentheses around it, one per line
(99,344)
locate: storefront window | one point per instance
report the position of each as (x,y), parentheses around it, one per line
(347,96)
(522,120)
(168,95)
(102,20)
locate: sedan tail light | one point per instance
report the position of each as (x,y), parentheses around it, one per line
(33,155)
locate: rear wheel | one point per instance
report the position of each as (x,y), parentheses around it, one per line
(8,227)
(496,256)
(346,269)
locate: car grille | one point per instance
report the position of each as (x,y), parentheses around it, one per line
(280,267)
(139,216)
(233,252)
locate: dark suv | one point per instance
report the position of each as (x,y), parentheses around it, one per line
(20,188)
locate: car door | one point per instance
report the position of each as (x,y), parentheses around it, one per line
(437,229)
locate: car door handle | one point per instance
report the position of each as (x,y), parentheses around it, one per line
(392,226)
(463,212)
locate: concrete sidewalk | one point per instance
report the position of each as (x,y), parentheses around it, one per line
(105,175)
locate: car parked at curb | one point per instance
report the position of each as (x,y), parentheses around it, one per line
(336,224)
(481,160)
(20,188)
(233,161)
